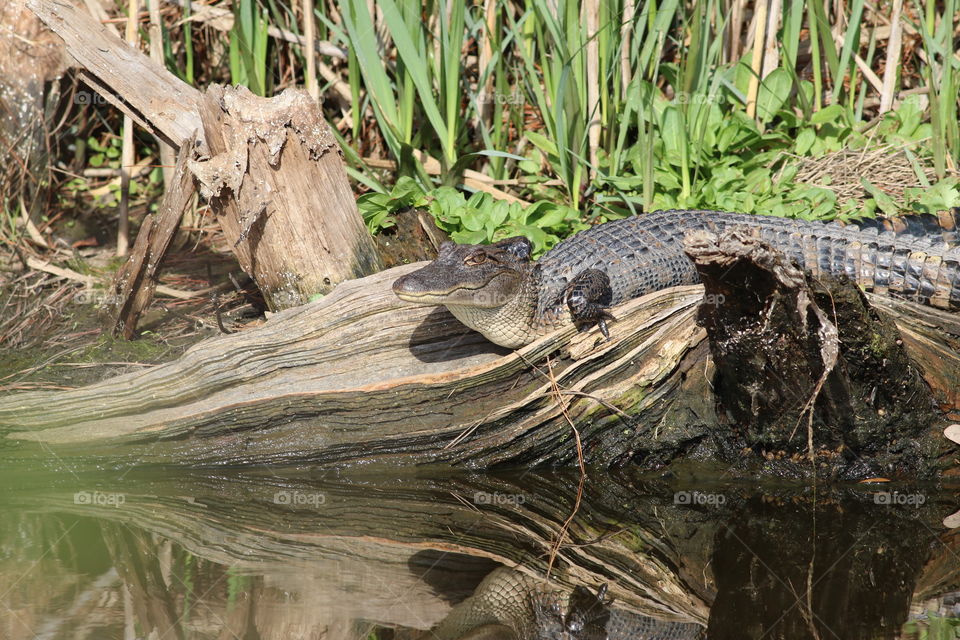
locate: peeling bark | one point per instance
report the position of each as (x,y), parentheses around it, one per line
(270,166)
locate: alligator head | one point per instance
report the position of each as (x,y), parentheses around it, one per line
(487,287)
(474,275)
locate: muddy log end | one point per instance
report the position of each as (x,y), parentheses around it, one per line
(806,369)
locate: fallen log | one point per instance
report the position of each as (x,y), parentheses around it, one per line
(363,378)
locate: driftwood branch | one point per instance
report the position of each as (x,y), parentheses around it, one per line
(148,93)
(137,279)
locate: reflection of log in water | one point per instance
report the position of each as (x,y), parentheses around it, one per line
(797,570)
(291,557)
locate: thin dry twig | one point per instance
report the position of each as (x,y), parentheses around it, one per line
(565,527)
(893,58)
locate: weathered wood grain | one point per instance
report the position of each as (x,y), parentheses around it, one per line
(137,279)
(275,180)
(362,376)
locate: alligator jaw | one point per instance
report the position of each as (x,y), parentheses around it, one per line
(408,294)
(495,290)
(499,301)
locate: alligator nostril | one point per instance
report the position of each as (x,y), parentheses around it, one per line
(398,283)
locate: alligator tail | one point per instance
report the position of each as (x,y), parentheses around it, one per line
(920,268)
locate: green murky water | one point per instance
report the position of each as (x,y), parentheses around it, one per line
(279,553)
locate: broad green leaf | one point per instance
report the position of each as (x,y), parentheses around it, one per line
(885,202)
(542,143)
(674,135)
(805,140)
(832,113)
(774,92)
(469,237)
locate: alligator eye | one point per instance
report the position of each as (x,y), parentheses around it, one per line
(475,259)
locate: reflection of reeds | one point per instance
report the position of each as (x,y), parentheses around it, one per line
(45,574)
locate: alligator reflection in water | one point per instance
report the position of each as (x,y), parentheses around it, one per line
(463,556)
(511,605)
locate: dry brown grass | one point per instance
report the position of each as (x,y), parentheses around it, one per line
(887,167)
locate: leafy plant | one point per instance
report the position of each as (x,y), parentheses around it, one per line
(478,219)
(104,154)
(377,209)
(483,219)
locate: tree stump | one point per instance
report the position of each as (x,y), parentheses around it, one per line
(804,364)
(274,176)
(270,166)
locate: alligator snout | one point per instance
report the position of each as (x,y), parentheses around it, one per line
(400,285)
(415,288)
(408,287)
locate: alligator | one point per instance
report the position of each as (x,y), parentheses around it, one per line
(498,290)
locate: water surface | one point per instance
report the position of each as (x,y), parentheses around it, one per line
(300,553)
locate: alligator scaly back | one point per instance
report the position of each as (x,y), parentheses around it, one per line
(645,253)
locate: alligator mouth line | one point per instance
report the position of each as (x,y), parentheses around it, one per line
(411,296)
(405,295)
